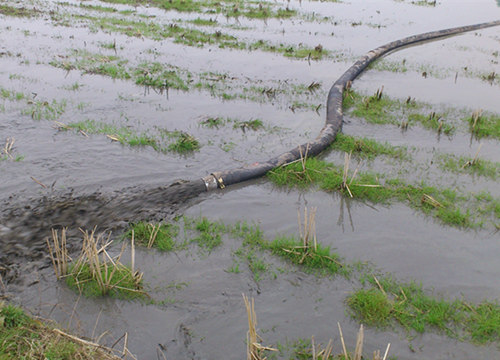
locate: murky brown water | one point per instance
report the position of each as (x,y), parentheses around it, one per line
(93,181)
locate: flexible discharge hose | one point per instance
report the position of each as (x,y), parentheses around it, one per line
(334,115)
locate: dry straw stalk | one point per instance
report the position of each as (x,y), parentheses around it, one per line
(59,253)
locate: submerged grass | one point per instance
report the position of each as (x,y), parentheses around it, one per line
(40,109)
(95,273)
(158,76)
(484,125)
(228,8)
(160,236)
(12,94)
(320,260)
(210,233)
(382,301)
(381,109)
(183,142)
(161,141)
(124,135)
(94,63)
(432,121)
(22,12)
(23,338)
(368,148)
(468,165)
(194,37)
(123,282)
(409,305)
(447,205)
(164,77)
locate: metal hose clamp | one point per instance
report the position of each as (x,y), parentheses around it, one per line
(210,182)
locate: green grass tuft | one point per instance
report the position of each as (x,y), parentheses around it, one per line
(24,338)
(408,304)
(124,135)
(484,125)
(466,165)
(483,322)
(124,283)
(18,11)
(254,124)
(367,148)
(183,142)
(375,109)
(432,121)
(158,76)
(210,233)
(370,306)
(161,236)
(39,109)
(444,204)
(320,260)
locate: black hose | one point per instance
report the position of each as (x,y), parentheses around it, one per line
(334,115)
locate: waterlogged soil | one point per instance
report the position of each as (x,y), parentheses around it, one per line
(53,177)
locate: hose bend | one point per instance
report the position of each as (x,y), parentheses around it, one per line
(334,115)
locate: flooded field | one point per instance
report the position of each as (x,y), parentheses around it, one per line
(108,107)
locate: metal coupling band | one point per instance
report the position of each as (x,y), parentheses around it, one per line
(210,182)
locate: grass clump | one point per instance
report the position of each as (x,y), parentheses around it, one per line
(409,305)
(376,109)
(93,63)
(39,109)
(24,338)
(204,22)
(11,94)
(371,306)
(307,252)
(95,273)
(301,174)
(18,11)
(432,121)
(194,37)
(161,236)
(183,142)
(228,8)
(253,242)
(483,322)
(254,124)
(210,232)
(483,125)
(444,204)
(156,75)
(213,122)
(467,165)
(180,142)
(406,303)
(151,74)
(12,316)
(319,260)
(380,109)
(103,9)
(123,135)
(367,148)
(291,51)
(256,264)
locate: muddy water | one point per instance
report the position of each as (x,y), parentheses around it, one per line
(89,181)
